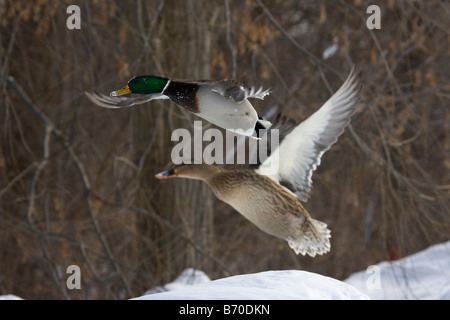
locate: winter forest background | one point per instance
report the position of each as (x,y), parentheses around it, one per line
(77,182)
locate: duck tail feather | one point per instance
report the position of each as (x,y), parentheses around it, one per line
(314,239)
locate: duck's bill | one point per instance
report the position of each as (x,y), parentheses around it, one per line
(166,174)
(124,90)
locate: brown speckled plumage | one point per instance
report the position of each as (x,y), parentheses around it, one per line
(265,203)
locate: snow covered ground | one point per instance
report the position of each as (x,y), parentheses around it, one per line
(268,285)
(10,297)
(424,275)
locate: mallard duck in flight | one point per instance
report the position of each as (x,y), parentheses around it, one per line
(223,103)
(272,200)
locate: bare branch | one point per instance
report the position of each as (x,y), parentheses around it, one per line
(311,57)
(50,128)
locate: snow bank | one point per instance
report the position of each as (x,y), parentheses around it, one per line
(10,297)
(187,278)
(269,285)
(424,275)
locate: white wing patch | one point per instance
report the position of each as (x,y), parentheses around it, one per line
(300,152)
(253,93)
(229,88)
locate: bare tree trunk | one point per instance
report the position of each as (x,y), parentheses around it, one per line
(184,51)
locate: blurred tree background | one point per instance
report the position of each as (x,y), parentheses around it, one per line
(77,182)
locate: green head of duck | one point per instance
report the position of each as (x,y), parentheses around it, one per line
(143,85)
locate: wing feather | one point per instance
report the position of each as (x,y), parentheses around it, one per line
(121,101)
(230,88)
(300,152)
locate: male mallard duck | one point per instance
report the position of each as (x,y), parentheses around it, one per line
(272,200)
(223,103)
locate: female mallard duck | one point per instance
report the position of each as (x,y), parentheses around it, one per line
(272,200)
(223,103)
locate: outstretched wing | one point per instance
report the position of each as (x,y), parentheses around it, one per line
(300,152)
(121,101)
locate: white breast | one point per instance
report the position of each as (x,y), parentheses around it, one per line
(227,113)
